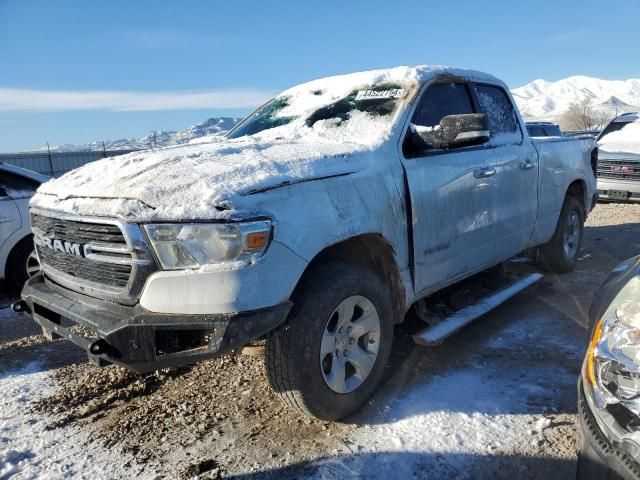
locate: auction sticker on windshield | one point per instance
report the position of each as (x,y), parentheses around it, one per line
(376,94)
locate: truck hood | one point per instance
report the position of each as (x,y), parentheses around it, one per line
(207,180)
(624,141)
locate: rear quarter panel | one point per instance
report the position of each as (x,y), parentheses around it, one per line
(561,162)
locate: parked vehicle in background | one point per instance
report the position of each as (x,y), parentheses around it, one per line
(18,260)
(609,387)
(543,129)
(316,223)
(582,133)
(619,159)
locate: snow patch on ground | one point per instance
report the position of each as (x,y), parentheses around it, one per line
(28,450)
(441,427)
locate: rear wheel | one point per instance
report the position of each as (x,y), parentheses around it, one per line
(329,358)
(560,254)
(23,263)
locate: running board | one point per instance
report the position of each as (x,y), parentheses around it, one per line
(466,315)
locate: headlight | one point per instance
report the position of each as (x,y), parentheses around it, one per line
(612,364)
(192,245)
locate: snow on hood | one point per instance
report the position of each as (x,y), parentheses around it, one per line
(625,140)
(190,182)
(204,180)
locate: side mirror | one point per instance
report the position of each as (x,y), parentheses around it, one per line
(455,131)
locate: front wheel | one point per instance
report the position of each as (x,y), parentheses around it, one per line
(23,263)
(560,254)
(329,358)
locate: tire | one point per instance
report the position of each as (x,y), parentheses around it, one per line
(299,369)
(561,253)
(22,263)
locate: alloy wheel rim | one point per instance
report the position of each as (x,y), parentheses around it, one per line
(572,235)
(33,264)
(350,344)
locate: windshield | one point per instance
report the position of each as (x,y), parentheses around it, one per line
(318,109)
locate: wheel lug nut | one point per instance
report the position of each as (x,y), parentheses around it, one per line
(346,352)
(349,329)
(371,340)
(352,341)
(337,353)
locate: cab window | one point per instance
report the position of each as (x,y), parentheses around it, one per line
(438,101)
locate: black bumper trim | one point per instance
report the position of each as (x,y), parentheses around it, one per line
(130,332)
(599,457)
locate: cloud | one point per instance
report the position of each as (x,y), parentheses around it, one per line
(16,99)
(568,36)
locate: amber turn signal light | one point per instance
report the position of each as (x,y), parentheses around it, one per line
(256,240)
(591,353)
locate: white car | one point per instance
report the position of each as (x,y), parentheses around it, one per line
(18,260)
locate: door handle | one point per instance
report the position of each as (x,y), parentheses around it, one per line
(527,165)
(484,172)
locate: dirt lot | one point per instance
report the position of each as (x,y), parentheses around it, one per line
(495,401)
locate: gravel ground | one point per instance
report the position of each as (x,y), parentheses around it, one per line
(495,401)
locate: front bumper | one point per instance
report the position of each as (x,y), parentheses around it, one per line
(138,339)
(605,454)
(618,190)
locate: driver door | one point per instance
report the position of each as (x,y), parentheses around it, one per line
(452,194)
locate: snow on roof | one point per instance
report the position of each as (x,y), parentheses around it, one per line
(625,140)
(317,129)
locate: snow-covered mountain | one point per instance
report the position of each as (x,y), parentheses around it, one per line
(211,126)
(548,100)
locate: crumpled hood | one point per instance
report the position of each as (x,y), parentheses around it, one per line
(198,181)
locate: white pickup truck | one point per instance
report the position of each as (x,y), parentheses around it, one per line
(315,223)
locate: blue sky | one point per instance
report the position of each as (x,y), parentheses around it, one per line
(74,71)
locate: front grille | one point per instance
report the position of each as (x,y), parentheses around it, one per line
(79,232)
(619,169)
(111,274)
(97,270)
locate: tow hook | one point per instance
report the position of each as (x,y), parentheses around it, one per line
(99,347)
(20,307)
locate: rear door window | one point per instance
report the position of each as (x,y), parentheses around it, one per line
(501,115)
